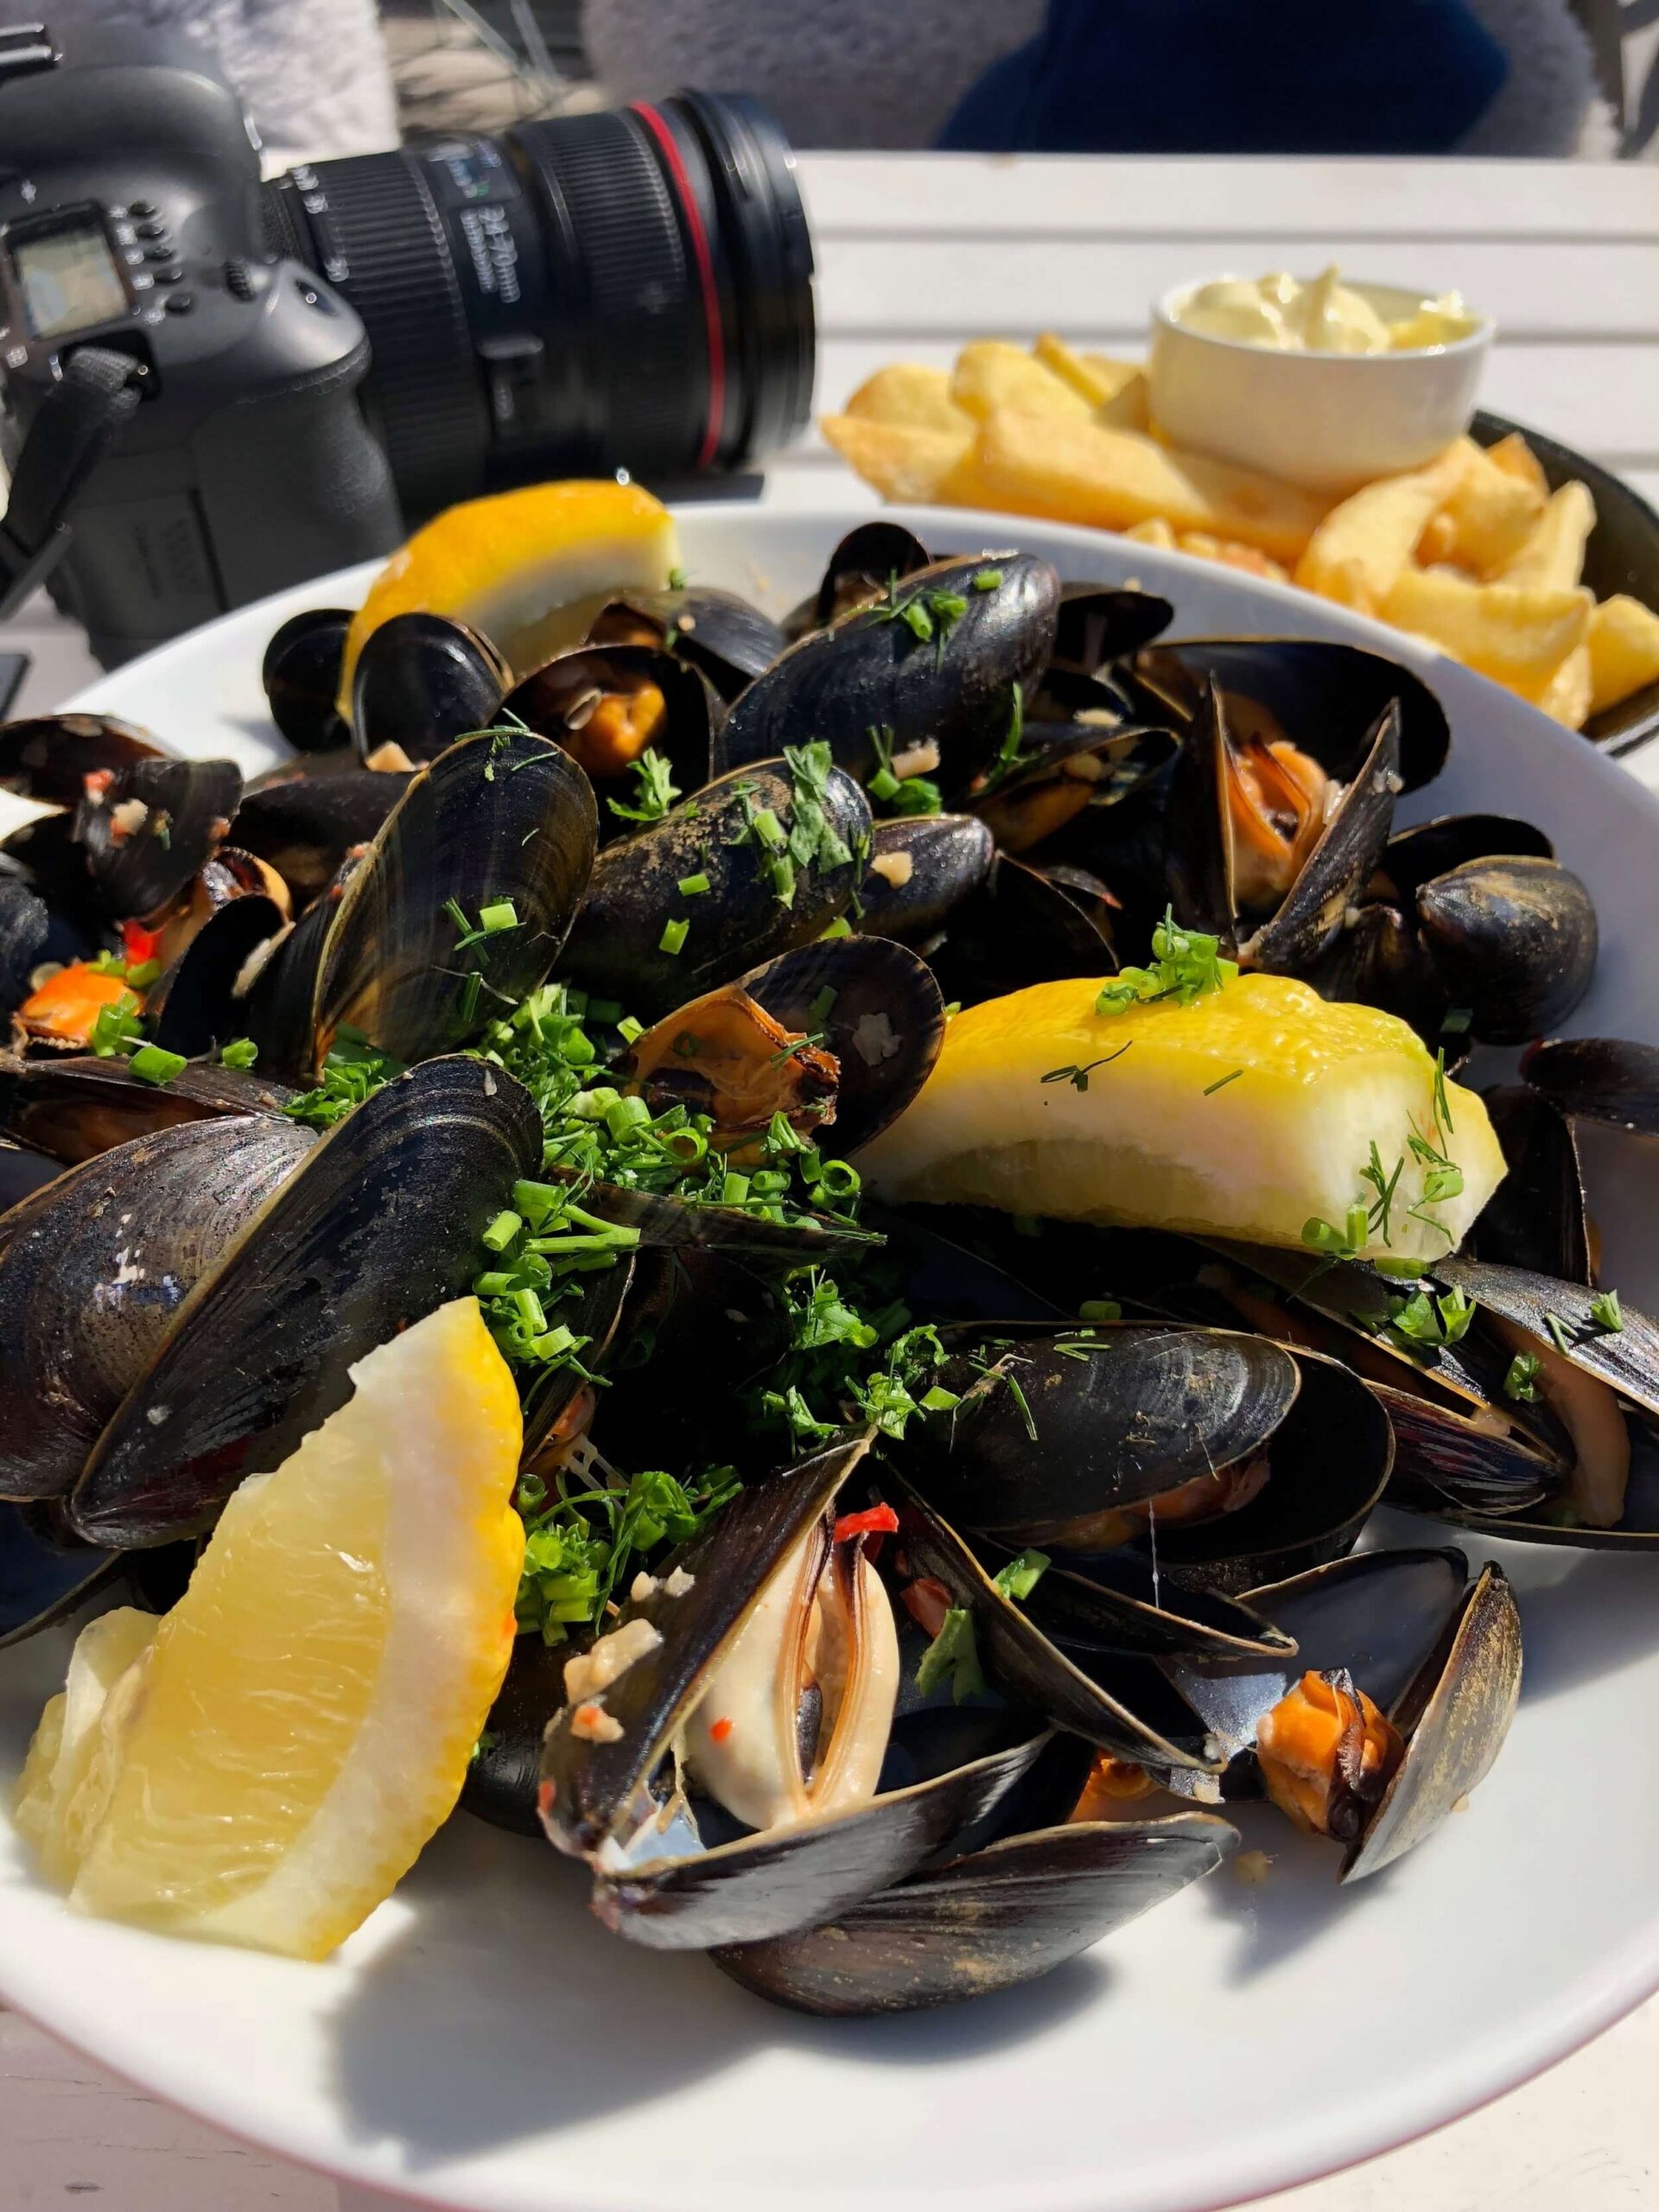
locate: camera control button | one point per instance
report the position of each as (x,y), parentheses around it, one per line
(139,208)
(173,274)
(238,280)
(152,230)
(181,303)
(158,253)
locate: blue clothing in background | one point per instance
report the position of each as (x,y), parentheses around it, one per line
(1236,77)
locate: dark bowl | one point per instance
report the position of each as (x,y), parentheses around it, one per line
(1623,555)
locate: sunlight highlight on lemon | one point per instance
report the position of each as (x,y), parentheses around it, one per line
(300,1722)
(1247,1114)
(530,568)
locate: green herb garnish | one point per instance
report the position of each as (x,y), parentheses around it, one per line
(1522,1381)
(151,1064)
(1021,1575)
(1188,964)
(1078,1076)
(1605,1312)
(953,1656)
(240,1052)
(656,790)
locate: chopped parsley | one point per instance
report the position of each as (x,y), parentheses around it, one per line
(1427,1322)
(1522,1381)
(1605,1312)
(240,1052)
(1021,1575)
(953,1656)
(1187,965)
(899,794)
(578,1549)
(655,790)
(353,1071)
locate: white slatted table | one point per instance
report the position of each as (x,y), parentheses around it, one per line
(916,254)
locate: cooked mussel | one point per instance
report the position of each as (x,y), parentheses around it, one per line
(607,706)
(147,831)
(48,758)
(94,1269)
(866,563)
(1018,927)
(921,869)
(300,676)
(422,680)
(1513,940)
(380,1225)
(25,925)
(770,855)
(75,1109)
(305,825)
(1065,767)
(931,674)
(1407,1675)
(719,633)
(1537,1217)
(1599,1079)
(1100,624)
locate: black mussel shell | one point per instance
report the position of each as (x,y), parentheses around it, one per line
(595,1316)
(1198,858)
(76,1108)
(1599,1079)
(1121,1702)
(23,1172)
(876,1007)
(421,682)
(863,567)
(1413,857)
(380,1227)
(1313,910)
(1068,767)
(1117,1602)
(616,947)
(873,673)
(301,674)
(202,1001)
(941,1279)
(1514,941)
(1321,696)
(558,699)
(501,1781)
(502,816)
(41,1579)
(1100,623)
(304,825)
(49,757)
(94,1269)
(152,828)
(25,925)
(1017,928)
(281,1005)
(1535,1219)
(720,634)
(1626,1359)
(922,867)
(672,1224)
(1122,1413)
(1451,1460)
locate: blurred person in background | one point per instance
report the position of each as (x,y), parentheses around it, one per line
(1495,77)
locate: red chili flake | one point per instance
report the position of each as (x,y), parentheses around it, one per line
(96,782)
(139,943)
(874,1521)
(544,1796)
(927,1601)
(719,1732)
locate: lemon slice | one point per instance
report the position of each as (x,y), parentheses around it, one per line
(70,1769)
(302,1719)
(529,569)
(1248,1114)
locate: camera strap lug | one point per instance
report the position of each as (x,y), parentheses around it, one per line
(73,428)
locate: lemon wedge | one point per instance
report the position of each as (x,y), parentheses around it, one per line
(1249,1113)
(276,1756)
(529,569)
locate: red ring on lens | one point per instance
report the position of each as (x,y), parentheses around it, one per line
(701,255)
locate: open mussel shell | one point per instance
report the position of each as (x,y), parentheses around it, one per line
(1119,1603)
(1321,696)
(672,1224)
(1068,767)
(281,1013)
(503,816)
(1535,1219)
(49,757)
(41,1579)
(25,925)
(720,634)
(1120,1702)
(1122,1413)
(305,825)
(1599,1079)
(1101,623)
(989,1921)
(596,1315)
(94,1269)
(75,1109)
(876,1008)
(380,1227)
(595,700)
(1414,857)
(871,671)
(200,1002)
(1017,928)
(616,947)
(301,674)
(421,681)
(863,567)
(1512,940)
(23,1172)
(501,1781)
(1440,1656)
(922,867)
(151,828)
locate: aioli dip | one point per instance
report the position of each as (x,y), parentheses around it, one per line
(1326,316)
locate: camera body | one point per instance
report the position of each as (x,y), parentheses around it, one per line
(131,219)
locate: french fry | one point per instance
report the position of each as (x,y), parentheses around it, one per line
(1154,531)
(1568,692)
(1623,643)
(1362,546)
(991,374)
(1487,515)
(1516,458)
(910,392)
(1512,632)
(1439,535)
(1231,554)
(1552,554)
(1073,470)
(1117,390)
(902,461)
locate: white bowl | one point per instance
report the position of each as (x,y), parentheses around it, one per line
(1328,422)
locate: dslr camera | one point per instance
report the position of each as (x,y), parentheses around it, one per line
(211,387)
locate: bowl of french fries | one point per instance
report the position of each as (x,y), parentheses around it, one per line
(1508,552)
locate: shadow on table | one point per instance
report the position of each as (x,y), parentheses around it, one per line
(504,2009)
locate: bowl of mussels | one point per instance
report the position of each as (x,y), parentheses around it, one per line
(864,1253)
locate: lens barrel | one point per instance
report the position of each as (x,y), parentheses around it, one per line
(625,289)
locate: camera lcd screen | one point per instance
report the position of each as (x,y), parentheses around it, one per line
(68,278)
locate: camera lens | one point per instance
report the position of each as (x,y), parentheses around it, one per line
(631,289)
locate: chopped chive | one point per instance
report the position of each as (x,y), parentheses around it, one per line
(673,937)
(1522,1381)
(1021,1574)
(692,887)
(1210,1088)
(820,1007)
(629,1030)
(240,1052)
(1605,1312)
(1557,1329)
(987,579)
(501,914)
(151,1064)
(839,927)
(608,1011)
(1100,1309)
(502,1231)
